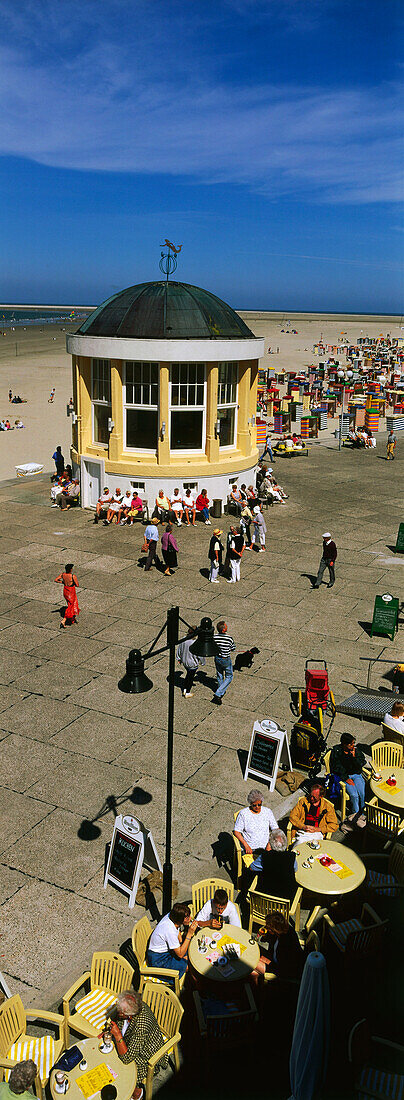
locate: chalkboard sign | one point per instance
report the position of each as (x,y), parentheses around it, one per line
(268,746)
(399,547)
(126,852)
(125,856)
(385,616)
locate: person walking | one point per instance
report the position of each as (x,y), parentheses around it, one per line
(215,555)
(59,461)
(169,550)
(268,449)
(328,560)
(260,529)
(151,537)
(70,583)
(391,444)
(236,553)
(224,667)
(189,661)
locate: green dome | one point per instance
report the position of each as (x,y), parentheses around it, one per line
(165,311)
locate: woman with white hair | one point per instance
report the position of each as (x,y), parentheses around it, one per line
(276,868)
(22,1077)
(253,825)
(136,1034)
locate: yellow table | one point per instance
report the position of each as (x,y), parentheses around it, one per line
(320,880)
(391,796)
(241,967)
(124,1081)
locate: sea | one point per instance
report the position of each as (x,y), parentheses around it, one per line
(21,316)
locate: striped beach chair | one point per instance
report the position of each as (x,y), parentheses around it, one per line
(16,1045)
(110,974)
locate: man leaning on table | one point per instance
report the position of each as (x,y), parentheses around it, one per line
(313,816)
(217,910)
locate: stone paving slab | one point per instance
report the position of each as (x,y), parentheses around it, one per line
(18,815)
(24,761)
(101,737)
(39,716)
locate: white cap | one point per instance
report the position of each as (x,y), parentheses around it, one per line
(256,509)
(270,469)
(327,535)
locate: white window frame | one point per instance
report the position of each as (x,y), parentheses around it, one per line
(229,405)
(140,486)
(99,400)
(134,405)
(189,408)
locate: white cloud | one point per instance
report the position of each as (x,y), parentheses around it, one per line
(84,90)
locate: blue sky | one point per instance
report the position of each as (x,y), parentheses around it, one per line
(265,136)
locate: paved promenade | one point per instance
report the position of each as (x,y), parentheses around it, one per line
(70,740)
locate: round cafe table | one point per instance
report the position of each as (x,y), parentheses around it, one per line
(242,966)
(319,880)
(124,1081)
(393,797)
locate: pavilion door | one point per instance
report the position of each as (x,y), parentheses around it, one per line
(91,481)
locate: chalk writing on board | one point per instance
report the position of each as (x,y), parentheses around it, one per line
(124,859)
(263,754)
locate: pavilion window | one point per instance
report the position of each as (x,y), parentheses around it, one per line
(101,399)
(141,398)
(187,406)
(227,403)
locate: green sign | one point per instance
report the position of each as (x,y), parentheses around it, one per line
(399,547)
(385,616)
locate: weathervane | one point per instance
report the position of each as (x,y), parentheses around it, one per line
(168,260)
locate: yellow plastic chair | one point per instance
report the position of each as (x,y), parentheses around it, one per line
(393,736)
(388,882)
(386,824)
(110,974)
(140,938)
(386,754)
(241,859)
(168,1011)
(16,1045)
(379,1079)
(204,890)
(262,904)
(355,937)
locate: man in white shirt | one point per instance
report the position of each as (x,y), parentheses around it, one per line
(168,948)
(254,824)
(219,910)
(395,720)
(176,504)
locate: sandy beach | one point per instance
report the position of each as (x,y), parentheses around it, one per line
(33,360)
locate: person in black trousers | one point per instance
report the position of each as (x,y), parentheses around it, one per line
(328,560)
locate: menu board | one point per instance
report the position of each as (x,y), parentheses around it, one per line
(399,547)
(385,617)
(267,749)
(125,855)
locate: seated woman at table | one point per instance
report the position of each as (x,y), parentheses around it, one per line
(280,949)
(314,816)
(167,948)
(276,868)
(217,911)
(395,719)
(136,1034)
(22,1077)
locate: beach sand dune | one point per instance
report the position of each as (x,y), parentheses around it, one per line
(34,360)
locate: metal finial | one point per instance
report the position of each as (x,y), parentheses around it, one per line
(168,260)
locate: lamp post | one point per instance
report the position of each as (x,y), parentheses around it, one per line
(135,681)
(345,381)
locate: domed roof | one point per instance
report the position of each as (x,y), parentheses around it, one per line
(165,311)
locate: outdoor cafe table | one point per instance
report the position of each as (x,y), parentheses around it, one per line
(320,880)
(391,796)
(241,967)
(124,1076)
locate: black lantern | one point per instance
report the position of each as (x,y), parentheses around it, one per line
(135,680)
(204,645)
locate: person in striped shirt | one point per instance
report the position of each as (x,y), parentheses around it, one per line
(224,667)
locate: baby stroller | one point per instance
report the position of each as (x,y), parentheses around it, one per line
(307,743)
(318,698)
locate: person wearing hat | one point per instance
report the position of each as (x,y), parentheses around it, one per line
(328,560)
(215,554)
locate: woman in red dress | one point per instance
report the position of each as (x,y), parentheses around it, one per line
(70,583)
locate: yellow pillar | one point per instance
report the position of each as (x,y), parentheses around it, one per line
(116,436)
(212,444)
(163,446)
(243,431)
(85,435)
